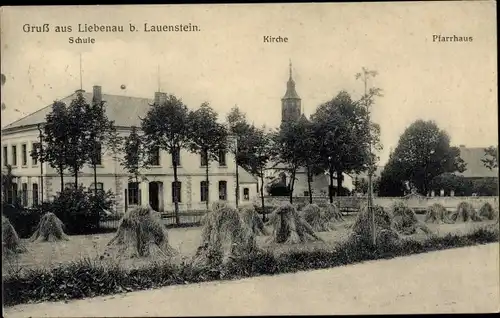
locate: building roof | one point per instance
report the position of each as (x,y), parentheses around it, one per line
(475,167)
(124,110)
(291,93)
(245,176)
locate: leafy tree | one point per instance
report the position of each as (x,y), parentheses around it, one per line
(485,186)
(7,181)
(239,127)
(207,138)
(288,149)
(451,182)
(260,142)
(424,152)
(79,123)
(56,138)
(309,155)
(166,127)
(490,159)
(100,128)
(134,154)
(343,129)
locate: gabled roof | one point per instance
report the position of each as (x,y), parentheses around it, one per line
(475,167)
(245,176)
(124,110)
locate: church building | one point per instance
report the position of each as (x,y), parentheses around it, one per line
(291,110)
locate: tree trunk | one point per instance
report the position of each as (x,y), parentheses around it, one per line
(94,166)
(340,178)
(237,185)
(330,190)
(309,184)
(176,199)
(207,181)
(76,177)
(262,196)
(61,175)
(292,184)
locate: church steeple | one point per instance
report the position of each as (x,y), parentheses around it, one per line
(291,102)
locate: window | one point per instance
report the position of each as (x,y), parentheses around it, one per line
(176,157)
(14,155)
(133,193)
(35,194)
(222,158)
(36,149)
(154,156)
(24,194)
(5,158)
(204,191)
(24,152)
(306,193)
(222,190)
(176,191)
(203,159)
(100,187)
(246,194)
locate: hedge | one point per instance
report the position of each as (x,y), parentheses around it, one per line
(89,278)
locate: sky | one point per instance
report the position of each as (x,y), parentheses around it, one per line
(227,62)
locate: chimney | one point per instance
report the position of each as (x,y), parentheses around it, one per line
(157,98)
(97,97)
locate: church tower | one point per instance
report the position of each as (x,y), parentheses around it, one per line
(291,102)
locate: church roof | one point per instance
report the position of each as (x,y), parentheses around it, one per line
(124,110)
(291,93)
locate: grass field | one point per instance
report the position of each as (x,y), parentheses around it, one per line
(184,240)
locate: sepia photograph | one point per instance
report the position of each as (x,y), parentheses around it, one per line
(250,159)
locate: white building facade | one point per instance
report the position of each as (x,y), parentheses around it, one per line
(36,180)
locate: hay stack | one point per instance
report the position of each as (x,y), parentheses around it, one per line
(141,234)
(437,213)
(333,214)
(252,220)
(404,220)
(11,244)
(465,212)
(487,212)
(49,229)
(289,227)
(224,236)
(316,218)
(362,227)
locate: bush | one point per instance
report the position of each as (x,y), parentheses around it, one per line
(24,220)
(87,278)
(78,209)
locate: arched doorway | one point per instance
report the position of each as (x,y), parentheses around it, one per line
(156,195)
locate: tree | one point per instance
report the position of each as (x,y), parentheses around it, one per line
(241,130)
(207,138)
(342,126)
(490,159)
(100,128)
(288,149)
(451,182)
(424,152)
(308,153)
(8,179)
(134,154)
(260,142)
(55,136)
(79,123)
(166,127)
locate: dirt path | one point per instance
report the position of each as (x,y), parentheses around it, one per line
(451,281)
